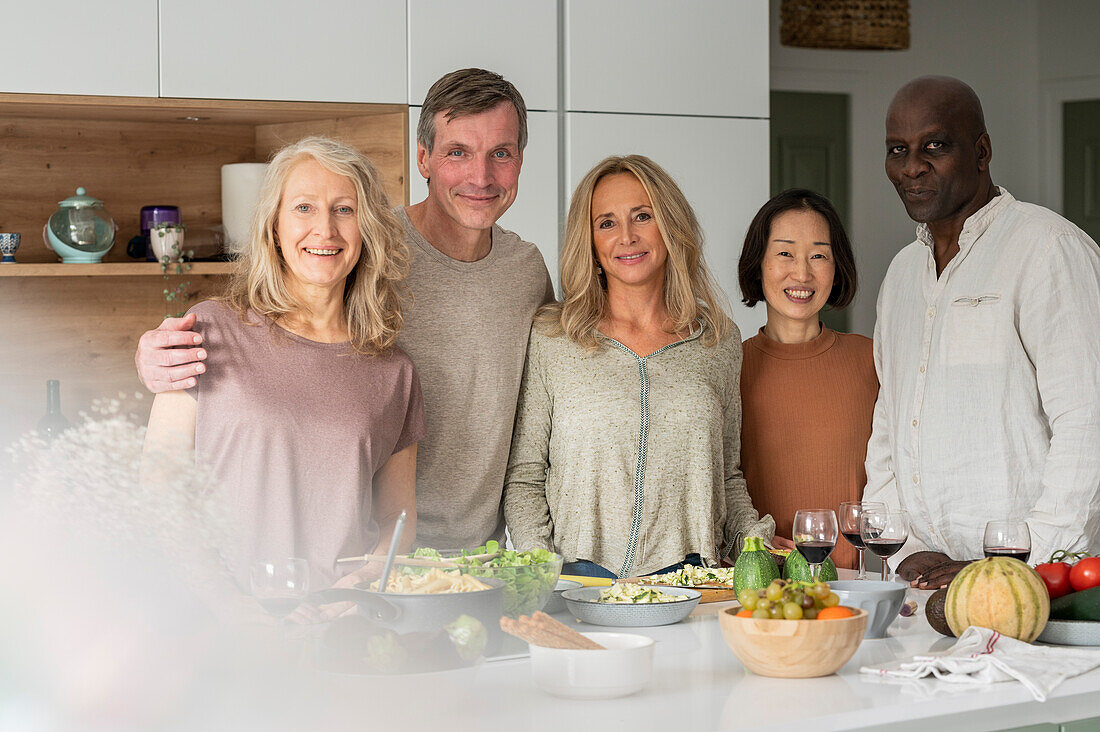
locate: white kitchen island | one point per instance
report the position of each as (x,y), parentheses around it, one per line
(698,684)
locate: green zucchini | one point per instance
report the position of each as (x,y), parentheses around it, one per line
(797,568)
(1083,605)
(755,567)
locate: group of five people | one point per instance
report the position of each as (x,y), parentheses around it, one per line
(627,427)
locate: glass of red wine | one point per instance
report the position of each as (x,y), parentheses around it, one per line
(1007,539)
(850,513)
(885,532)
(279,585)
(815,531)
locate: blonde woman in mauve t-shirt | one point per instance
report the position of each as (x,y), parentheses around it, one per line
(625,454)
(808,392)
(308,415)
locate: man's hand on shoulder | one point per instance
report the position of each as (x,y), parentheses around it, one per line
(161,364)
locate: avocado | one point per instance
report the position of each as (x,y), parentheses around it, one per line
(934,611)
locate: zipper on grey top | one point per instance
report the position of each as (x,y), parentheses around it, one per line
(639,468)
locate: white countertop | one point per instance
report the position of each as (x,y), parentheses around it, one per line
(698,684)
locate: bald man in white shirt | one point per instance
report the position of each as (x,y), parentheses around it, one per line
(987,347)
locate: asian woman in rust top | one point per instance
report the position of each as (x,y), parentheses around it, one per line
(808,392)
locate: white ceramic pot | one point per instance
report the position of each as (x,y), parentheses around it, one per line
(167,243)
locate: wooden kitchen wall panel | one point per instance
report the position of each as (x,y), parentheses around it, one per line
(381,137)
(126,164)
(83,331)
(167,109)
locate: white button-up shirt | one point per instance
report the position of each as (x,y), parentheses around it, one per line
(989,406)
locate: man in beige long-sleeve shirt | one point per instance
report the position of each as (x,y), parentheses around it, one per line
(474,289)
(987,347)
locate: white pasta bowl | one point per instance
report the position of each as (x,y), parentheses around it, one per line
(584,604)
(625,667)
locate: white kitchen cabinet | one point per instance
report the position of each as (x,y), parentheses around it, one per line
(326,51)
(534,215)
(515,39)
(704,57)
(73,47)
(721,165)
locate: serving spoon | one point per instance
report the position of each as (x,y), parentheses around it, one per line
(388,566)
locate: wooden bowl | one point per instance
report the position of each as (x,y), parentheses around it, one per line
(792,649)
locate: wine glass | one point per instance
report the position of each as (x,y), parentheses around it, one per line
(884,531)
(850,513)
(815,531)
(279,585)
(1007,539)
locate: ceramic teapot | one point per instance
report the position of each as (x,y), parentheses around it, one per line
(81,231)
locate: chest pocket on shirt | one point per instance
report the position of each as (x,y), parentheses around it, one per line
(972,331)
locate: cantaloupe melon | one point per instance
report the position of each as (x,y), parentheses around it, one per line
(1001,594)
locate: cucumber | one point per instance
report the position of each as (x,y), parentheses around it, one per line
(755,567)
(1083,605)
(797,568)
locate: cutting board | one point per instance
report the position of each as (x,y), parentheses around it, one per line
(709,594)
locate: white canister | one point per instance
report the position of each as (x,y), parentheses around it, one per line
(240,193)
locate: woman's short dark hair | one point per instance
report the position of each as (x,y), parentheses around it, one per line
(749,274)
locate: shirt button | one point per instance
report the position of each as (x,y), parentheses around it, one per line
(931,312)
(916,478)
(922,368)
(914,423)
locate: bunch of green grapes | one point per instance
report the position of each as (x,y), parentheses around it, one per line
(788,599)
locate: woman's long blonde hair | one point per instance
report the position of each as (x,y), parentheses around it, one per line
(691,292)
(374,288)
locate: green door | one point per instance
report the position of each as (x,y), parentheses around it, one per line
(1081,165)
(809,149)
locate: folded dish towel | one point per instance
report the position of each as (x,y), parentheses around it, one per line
(984,656)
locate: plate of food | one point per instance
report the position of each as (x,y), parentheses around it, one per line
(1071,633)
(631,605)
(1074,619)
(714,584)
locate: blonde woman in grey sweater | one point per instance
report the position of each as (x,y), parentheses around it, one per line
(626,452)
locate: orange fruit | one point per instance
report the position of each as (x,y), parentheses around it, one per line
(744,613)
(835,613)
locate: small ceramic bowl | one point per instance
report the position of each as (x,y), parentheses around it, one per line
(584,603)
(881,600)
(624,668)
(556,604)
(792,649)
(8,244)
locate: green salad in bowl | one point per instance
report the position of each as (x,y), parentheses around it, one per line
(529,577)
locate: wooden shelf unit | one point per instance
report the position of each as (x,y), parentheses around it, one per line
(111,269)
(63,321)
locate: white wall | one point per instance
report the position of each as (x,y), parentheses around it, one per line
(993,45)
(1069,70)
(1069,39)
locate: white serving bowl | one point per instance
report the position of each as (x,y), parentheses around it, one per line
(624,668)
(881,600)
(585,606)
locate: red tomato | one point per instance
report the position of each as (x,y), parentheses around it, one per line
(1085,574)
(1055,576)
